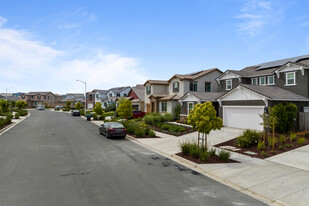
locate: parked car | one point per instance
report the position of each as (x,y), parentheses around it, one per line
(113,129)
(138,113)
(58,107)
(75,113)
(40,107)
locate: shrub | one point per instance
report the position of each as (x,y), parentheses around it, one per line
(264,153)
(148,119)
(108,114)
(287,145)
(286,115)
(65,109)
(111,107)
(261,145)
(195,151)
(293,136)
(94,116)
(21,104)
(281,139)
(101,117)
(248,138)
(152,133)
(280,147)
(147,130)
(212,152)
(165,127)
(177,111)
(168,117)
(16,115)
(301,140)
(204,156)
(23,112)
(185,147)
(224,155)
(139,132)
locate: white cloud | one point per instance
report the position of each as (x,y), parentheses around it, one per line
(2,21)
(256,15)
(27,65)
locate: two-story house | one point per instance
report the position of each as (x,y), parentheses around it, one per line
(100,96)
(115,93)
(165,95)
(90,99)
(137,97)
(250,91)
(34,99)
(74,98)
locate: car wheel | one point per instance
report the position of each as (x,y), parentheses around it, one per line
(124,137)
(106,135)
(100,132)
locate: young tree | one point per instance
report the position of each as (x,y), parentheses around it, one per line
(98,108)
(125,109)
(204,118)
(4,104)
(286,116)
(78,105)
(21,104)
(177,111)
(68,104)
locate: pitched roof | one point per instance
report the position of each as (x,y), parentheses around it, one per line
(280,62)
(139,90)
(205,96)
(275,93)
(158,82)
(195,75)
(38,93)
(118,89)
(171,97)
(100,91)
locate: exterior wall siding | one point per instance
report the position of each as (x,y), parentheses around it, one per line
(222,86)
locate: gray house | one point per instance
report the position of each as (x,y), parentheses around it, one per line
(250,91)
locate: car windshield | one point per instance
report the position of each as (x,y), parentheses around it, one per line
(115,125)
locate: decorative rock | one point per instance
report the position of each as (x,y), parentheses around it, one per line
(250,153)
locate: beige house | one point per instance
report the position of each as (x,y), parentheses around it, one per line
(34,99)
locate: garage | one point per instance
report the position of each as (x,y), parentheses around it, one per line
(245,117)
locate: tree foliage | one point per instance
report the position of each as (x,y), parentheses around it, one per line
(204,118)
(125,109)
(98,108)
(68,104)
(4,105)
(285,116)
(78,105)
(177,111)
(21,104)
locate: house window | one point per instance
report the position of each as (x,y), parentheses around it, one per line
(44,97)
(190,106)
(290,78)
(23,97)
(118,94)
(193,86)
(110,94)
(47,97)
(163,106)
(97,96)
(262,80)
(271,80)
(228,84)
(124,94)
(207,87)
(148,90)
(254,81)
(38,97)
(176,87)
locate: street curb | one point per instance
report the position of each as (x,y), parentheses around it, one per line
(199,169)
(4,130)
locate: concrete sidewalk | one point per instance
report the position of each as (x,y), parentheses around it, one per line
(279,180)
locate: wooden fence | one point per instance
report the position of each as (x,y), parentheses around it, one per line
(303,121)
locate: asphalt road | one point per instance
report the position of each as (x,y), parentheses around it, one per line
(55,159)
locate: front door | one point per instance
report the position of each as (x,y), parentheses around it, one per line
(152,106)
(148,107)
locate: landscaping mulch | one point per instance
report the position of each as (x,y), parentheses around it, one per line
(145,136)
(2,127)
(188,130)
(211,160)
(292,145)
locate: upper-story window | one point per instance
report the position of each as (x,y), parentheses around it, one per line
(44,97)
(110,94)
(271,80)
(23,97)
(118,94)
(290,78)
(38,97)
(97,96)
(254,81)
(193,86)
(47,97)
(176,87)
(124,94)
(262,80)
(228,84)
(148,90)
(207,86)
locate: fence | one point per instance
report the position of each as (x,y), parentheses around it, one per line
(303,121)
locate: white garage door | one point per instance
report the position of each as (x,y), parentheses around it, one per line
(243,117)
(90,106)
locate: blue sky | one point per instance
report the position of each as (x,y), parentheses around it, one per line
(47,45)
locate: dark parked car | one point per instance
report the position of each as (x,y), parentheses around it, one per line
(138,113)
(75,113)
(113,129)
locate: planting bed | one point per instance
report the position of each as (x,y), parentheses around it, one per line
(171,129)
(2,127)
(145,136)
(287,145)
(211,160)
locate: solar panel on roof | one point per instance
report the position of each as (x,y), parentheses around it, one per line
(281,62)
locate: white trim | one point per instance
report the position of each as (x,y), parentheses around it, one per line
(228,80)
(244,106)
(286,79)
(268,80)
(257,82)
(261,81)
(188,112)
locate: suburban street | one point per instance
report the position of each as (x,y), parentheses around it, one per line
(52,158)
